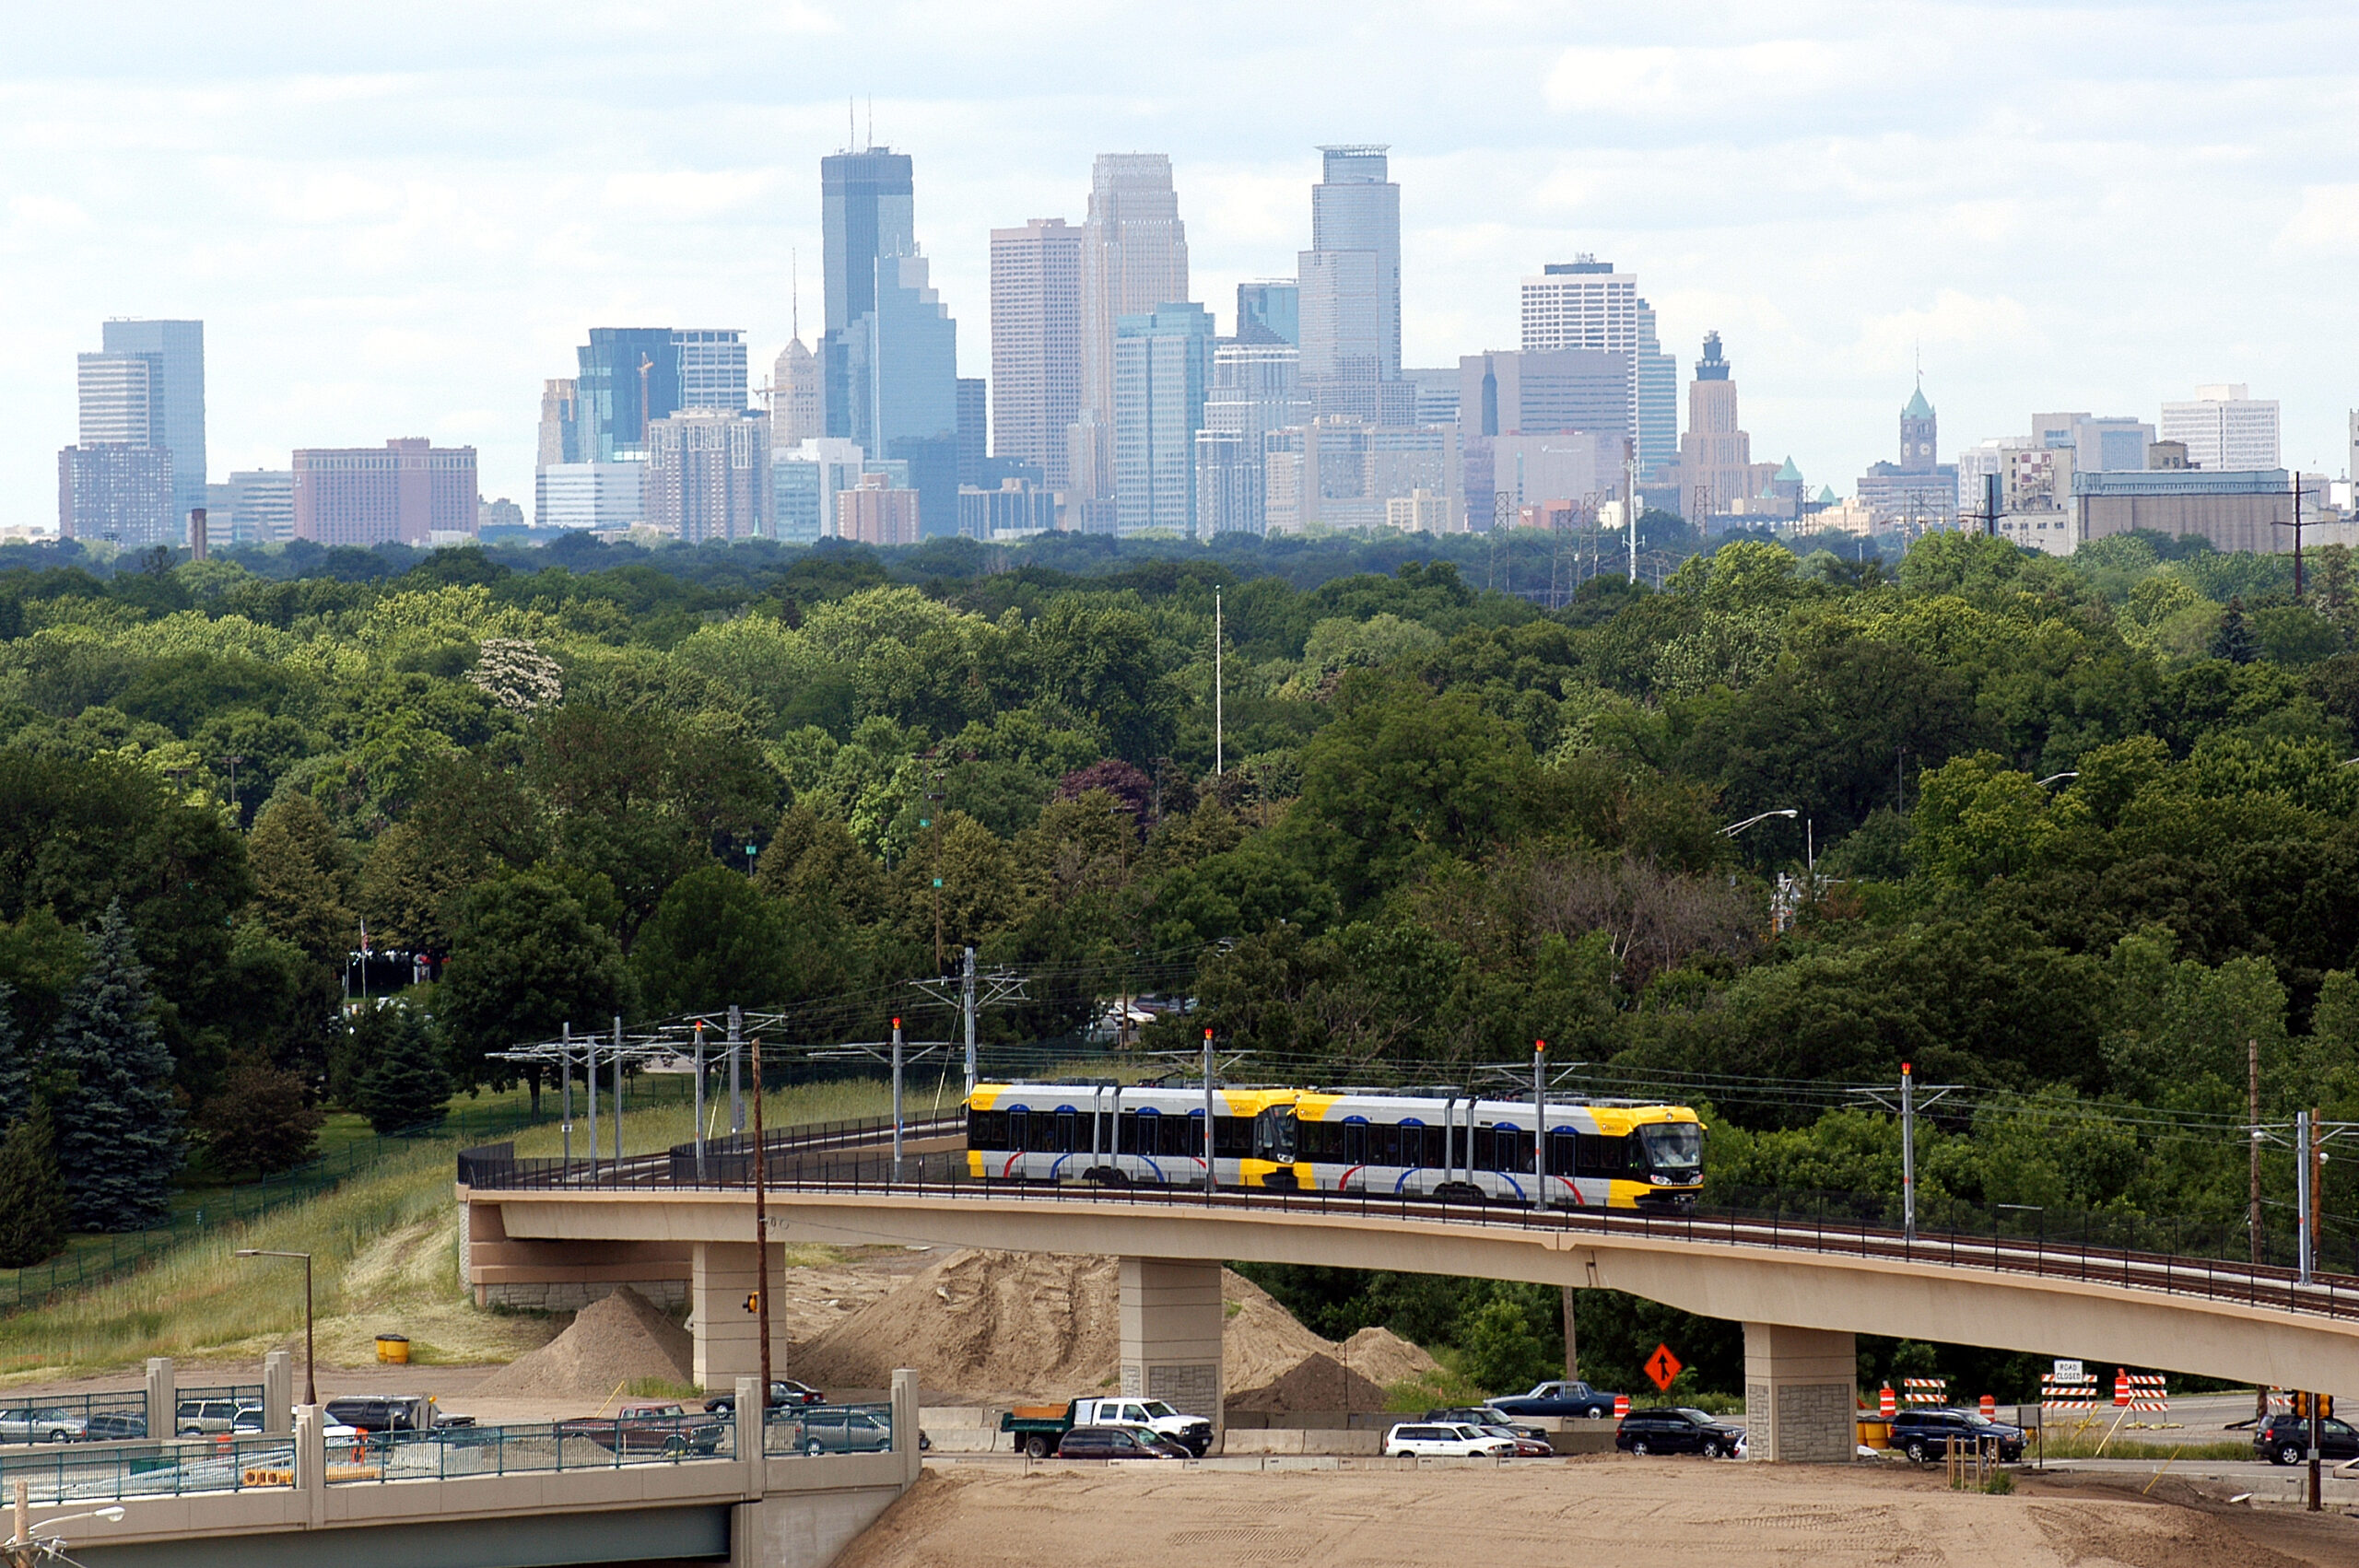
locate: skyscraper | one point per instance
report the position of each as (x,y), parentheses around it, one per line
(867,211)
(1036,343)
(405,491)
(1135,260)
(1658,397)
(974,427)
(709,475)
(1162,367)
(1350,289)
(175,351)
(797,403)
(628,376)
(561,438)
(1270,311)
(1715,468)
(713,369)
(1586,304)
(901,372)
(1256,389)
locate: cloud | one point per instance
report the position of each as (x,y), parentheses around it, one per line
(2328,219)
(1658,80)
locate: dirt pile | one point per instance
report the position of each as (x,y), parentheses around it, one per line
(990,1327)
(613,1343)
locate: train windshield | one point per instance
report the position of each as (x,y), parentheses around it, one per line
(1675,1150)
(1273,1135)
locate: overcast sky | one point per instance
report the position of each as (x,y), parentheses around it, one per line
(397,220)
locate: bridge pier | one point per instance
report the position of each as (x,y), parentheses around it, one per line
(727,1337)
(1801,1395)
(1171,1321)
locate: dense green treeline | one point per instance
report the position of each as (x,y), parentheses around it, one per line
(2072,835)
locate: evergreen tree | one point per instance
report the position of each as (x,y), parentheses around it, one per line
(403,1080)
(2231,639)
(32,1198)
(118,1129)
(16,1072)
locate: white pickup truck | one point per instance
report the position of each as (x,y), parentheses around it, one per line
(1037,1429)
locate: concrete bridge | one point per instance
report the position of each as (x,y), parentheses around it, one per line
(1801,1290)
(298,1501)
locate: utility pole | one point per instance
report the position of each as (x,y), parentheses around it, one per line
(590,1082)
(761,1239)
(618,1093)
(1218,693)
(2252,1104)
(699,1050)
(565,1097)
(896,1099)
(1908,1152)
(2303,1155)
(966,1008)
(1630,458)
(1211,1178)
(736,1051)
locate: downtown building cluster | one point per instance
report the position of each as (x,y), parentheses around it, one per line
(1117,405)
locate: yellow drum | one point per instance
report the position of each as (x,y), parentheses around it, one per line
(394,1348)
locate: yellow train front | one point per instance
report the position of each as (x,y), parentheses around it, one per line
(1416,1145)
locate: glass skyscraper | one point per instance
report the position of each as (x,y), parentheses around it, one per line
(867,210)
(617,365)
(175,354)
(1162,368)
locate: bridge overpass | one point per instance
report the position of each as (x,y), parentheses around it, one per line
(1802,1290)
(492,1497)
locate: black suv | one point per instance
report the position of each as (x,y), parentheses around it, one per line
(1681,1430)
(2285,1440)
(1926,1435)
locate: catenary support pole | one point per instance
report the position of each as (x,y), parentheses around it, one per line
(618,1093)
(896,1099)
(1218,713)
(761,1232)
(1540,1123)
(2302,1196)
(590,1083)
(565,1097)
(1908,1152)
(1211,1181)
(699,1106)
(966,1008)
(736,1054)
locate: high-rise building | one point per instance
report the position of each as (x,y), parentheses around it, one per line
(116,492)
(798,404)
(1354,212)
(805,480)
(561,424)
(709,475)
(1437,393)
(875,512)
(175,350)
(628,378)
(974,429)
(1256,389)
(120,404)
(1550,392)
(1162,367)
(405,492)
(1658,397)
(1270,311)
(1133,260)
(1716,469)
(901,372)
(1580,304)
(2224,428)
(713,369)
(867,212)
(1036,343)
(589,494)
(2101,444)
(261,506)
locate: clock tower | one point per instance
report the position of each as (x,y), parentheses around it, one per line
(1919,444)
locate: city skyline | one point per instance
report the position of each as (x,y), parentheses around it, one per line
(411,266)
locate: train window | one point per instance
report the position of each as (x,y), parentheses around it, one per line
(1563,1152)
(1019,1127)
(1510,1149)
(986,1130)
(1068,1128)
(1184,1135)
(1138,1131)
(1600,1156)
(1356,1140)
(1275,1133)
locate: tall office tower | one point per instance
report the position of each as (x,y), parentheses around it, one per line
(2226,426)
(116,492)
(709,475)
(1270,311)
(403,492)
(2109,444)
(867,212)
(901,373)
(1656,422)
(628,377)
(120,402)
(1582,303)
(561,424)
(798,412)
(1256,389)
(804,480)
(589,494)
(974,429)
(1350,291)
(262,506)
(2352,468)
(1715,468)
(1162,366)
(176,352)
(1036,343)
(1134,262)
(713,369)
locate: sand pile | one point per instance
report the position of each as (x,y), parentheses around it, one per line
(1384,1357)
(618,1340)
(1010,1325)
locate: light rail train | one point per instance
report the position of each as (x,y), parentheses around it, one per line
(1426,1143)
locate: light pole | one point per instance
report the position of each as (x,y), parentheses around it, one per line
(310,1386)
(27,1546)
(2054,776)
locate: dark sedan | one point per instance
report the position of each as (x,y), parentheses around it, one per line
(1677,1430)
(1559,1399)
(2285,1440)
(785,1394)
(1117,1443)
(1926,1435)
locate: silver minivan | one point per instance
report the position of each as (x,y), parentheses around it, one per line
(207,1418)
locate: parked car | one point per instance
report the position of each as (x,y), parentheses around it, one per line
(841,1431)
(36,1424)
(1480,1415)
(1927,1434)
(1528,1446)
(1446,1440)
(650,1426)
(1117,1443)
(117,1426)
(393,1412)
(1563,1398)
(249,1424)
(1677,1429)
(2285,1440)
(209,1418)
(785,1393)
(1037,1429)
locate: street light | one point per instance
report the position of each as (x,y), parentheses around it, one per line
(1732,829)
(311,1388)
(27,1545)
(2054,776)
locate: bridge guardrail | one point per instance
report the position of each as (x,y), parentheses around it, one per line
(2171,1254)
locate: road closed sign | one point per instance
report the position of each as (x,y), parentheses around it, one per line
(2068,1371)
